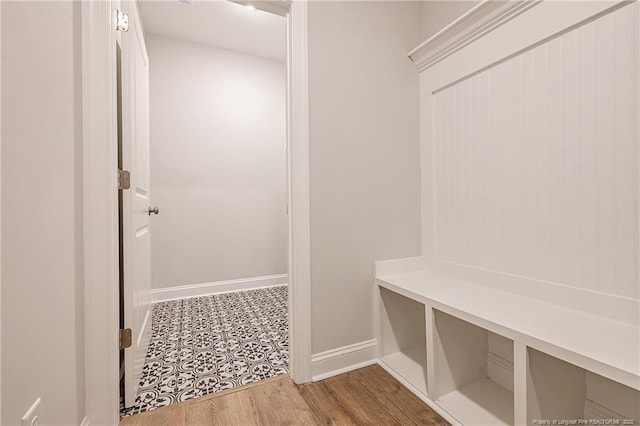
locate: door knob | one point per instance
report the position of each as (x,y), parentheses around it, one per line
(153,210)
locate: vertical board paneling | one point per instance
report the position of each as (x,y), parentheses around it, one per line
(588,154)
(467,210)
(519,161)
(605,151)
(439,117)
(505,161)
(491,187)
(457,173)
(529,248)
(542,232)
(512,157)
(475,226)
(557,188)
(442,114)
(485,139)
(571,116)
(536,161)
(626,113)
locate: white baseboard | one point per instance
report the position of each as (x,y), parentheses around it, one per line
(207,289)
(341,360)
(500,370)
(85,421)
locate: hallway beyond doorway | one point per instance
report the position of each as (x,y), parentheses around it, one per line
(212,343)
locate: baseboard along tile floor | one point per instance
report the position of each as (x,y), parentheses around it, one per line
(203,345)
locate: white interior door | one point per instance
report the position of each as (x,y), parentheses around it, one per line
(135,200)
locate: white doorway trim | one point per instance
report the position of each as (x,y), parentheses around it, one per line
(298,179)
(100,213)
(100,204)
(0,215)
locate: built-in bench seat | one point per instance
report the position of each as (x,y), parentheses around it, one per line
(444,359)
(605,346)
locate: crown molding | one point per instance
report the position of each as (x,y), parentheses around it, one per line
(277,7)
(481,19)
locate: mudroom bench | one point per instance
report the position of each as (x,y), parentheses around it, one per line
(524,305)
(482,355)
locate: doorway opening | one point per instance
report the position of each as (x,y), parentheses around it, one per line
(212,312)
(100,194)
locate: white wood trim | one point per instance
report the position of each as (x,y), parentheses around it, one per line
(431,339)
(100,212)
(593,410)
(549,18)
(100,206)
(0,214)
(638,124)
(396,266)
(520,372)
(486,16)
(146,327)
(277,7)
(342,370)
(493,310)
(401,378)
(207,289)
(612,306)
(341,360)
(344,350)
(377,319)
(298,173)
(500,370)
(424,398)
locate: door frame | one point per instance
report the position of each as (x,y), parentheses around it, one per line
(100,207)
(0,214)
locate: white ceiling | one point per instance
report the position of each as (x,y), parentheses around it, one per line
(218,23)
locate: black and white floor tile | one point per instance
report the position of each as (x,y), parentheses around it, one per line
(207,344)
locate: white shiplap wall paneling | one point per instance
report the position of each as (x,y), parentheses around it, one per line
(536,161)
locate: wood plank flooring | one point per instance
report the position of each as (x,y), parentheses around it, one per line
(368,396)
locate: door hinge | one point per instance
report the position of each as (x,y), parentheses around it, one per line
(124,179)
(125,338)
(121,21)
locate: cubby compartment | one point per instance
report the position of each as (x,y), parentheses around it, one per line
(560,391)
(473,372)
(403,338)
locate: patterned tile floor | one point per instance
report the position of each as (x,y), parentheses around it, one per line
(206,344)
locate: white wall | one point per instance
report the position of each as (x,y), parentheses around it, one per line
(438,14)
(218,164)
(364,158)
(41,251)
